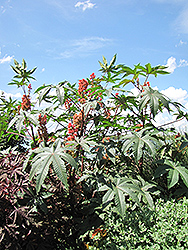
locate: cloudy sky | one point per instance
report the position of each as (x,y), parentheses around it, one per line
(66,38)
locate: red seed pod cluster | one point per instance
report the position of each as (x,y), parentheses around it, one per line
(83,84)
(139,126)
(105,139)
(138,82)
(72,131)
(29,87)
(147,84)
(178,135)
(99,96)
(92,76)
(82,100)
(19,107)
(26,102)
(68,104)
(42,130)
(77,120)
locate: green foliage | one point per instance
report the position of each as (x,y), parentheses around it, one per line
(138,141)
(47,156)
(117,190)
(101,155)
(8,111)
(154,98)
(164,228)
(21,73)
(175,170)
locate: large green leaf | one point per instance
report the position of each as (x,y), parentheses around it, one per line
(137,141)
(50,156)
(153,98)
(19,120)
(109,195)
(174,169)
(43,171)
(120,201)
(145,194)
(183,173)
(117,190)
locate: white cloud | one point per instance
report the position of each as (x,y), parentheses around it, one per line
(174,94)
(6,59)
(179,95)
(180,43)
(7,95)
(181,22)
(43,69)
(85,5)
(85,46)
(183,63)
(171,64)
(2,9)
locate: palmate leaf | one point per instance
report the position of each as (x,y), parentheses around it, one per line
(175,170)
(44,167)
(109,195)
(117,190)
(183,173)
(145,187)
(50,156)
(153,98)
(137,141)
(18,121)
(32,118)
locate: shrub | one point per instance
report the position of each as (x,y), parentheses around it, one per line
(104,154)
(11,138)
(164,228)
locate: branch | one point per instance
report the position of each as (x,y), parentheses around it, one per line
(170,122)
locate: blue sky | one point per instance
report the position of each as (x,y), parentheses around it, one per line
(66,38)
